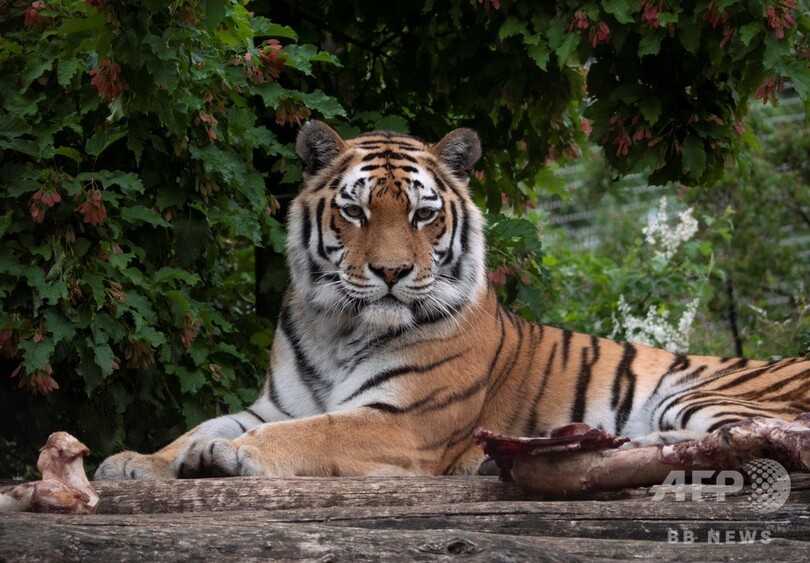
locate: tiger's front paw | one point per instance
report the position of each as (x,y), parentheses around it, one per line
(218,457)
(132,465)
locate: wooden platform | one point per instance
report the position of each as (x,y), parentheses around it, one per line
(402,519)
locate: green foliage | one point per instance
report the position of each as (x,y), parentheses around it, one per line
(588,286)
(764,298)
(663,85)
(128,195)
(515,264)
(668,83)
(747,264)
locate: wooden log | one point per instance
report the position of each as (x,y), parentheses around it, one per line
(400,519)
(257,493)
(249,535)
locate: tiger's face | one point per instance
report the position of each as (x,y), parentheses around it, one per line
(384,232)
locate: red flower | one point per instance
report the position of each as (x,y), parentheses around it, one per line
(32,17)
(494,3)
(190,331)
(650,14)
(780,17)
(770,89)
(108,80)
(714,17)
(92,209)
(290,112)
(586,126)
(599,33)
(272,56)
(578,21)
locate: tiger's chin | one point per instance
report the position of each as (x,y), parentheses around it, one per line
(386,314)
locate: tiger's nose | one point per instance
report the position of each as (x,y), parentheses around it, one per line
(391,274)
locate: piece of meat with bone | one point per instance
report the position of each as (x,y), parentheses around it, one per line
(577,459)
(64,488)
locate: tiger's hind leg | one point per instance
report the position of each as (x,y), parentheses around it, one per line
(691,414)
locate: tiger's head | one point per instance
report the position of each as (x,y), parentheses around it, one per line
(384,232)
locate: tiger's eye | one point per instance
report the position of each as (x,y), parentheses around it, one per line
(425,213)
(353,211)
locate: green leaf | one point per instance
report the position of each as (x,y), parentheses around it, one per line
(650,43)
(799,74)
(37,354)
(142,214)
(58,325)
(263,27)
(278,237)
(169,274)
(539,54)
(192,237)
(689,31)
(619,9)
(651,109)
(66,70)
(104,358)
(512,26)
(566,49)
(327,106)
(190,381)
(214,13)
(694,156)
(392,123)
(749,31)
(69,152)
(103,138)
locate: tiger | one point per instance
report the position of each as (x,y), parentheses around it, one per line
(391,346)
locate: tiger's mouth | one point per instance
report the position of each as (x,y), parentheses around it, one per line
(386,313)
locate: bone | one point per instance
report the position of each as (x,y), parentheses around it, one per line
(64,488)
(581,460)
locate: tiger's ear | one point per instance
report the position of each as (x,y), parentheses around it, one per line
(459,150)
(317,145)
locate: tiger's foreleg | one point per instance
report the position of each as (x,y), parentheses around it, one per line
(352,443)
(164,464)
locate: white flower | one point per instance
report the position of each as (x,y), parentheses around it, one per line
(654,329)
(665,239)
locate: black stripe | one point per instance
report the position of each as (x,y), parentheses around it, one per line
(680,363)
(311,379)
(454,223)
(743,378)
(316,273)
(334,181)
(584,379)
(306,233)
(272,395)
(241,426)
(506,371)
(519,407)
(723,422)
(540,391)
(389,374)
(389,155)
(465,230)
(566,346)
(501,339)
(431,402)
(255,415)
(627,375)
(368,350)
(319,220)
